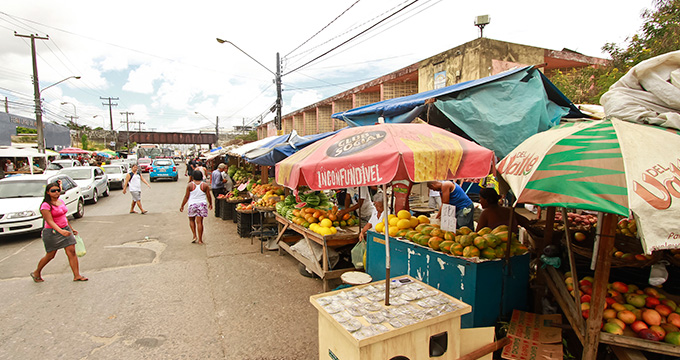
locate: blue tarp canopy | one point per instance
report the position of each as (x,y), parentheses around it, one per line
(275,151)
(498,112)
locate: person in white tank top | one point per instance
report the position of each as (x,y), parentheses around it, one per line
(198,197)
(133,181)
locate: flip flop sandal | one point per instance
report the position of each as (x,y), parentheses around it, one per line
(144,212)
(81,279)
(133,212)
(36,279)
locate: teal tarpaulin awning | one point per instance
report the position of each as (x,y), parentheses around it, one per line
(498,112)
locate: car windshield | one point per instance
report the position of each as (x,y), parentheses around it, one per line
(54,166)
(113,170)
(78,174)
(21,189)
(163,163)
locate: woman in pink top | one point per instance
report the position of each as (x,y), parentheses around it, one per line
(57,233)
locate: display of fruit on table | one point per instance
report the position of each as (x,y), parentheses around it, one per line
(486,244)
(576,221)
(675,253)
(627,256)
(244,206)
(400,223)
(269,199)
(261,190)
(241,174)
(323,227)
(627,227)
(631,311)
(236,195)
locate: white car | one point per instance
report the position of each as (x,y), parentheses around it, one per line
(92,181)
(21,196)
(116,174)
(66,163)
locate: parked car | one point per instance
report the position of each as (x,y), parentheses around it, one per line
(116,175)
(144,164)
(121,162)
(92,181)
(21,196)
(163,168)
(66,163)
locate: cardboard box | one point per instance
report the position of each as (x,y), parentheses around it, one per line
(532,337)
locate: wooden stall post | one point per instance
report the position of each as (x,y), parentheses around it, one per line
(602,267)
(264,174)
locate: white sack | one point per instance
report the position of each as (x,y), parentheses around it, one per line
(648,94)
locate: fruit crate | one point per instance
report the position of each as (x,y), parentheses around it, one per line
(480,284)
(245,221)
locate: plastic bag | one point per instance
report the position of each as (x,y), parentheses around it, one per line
(358,252)
(80,246)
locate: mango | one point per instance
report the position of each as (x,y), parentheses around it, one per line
(434,242)
(484,231)
(464,230)
(456,249)
(445,246)
(471,251)
(480,243)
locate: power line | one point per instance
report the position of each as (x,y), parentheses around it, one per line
(348,30)
(384,29)
(350,39)
(322,29)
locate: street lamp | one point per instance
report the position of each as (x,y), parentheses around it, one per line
(277,80)
(217,127)
(38,108)
(75,113)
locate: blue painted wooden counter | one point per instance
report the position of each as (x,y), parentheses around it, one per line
(477,284)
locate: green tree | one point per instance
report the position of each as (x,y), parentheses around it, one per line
(83,141)
(251,136)
(23,130)
(659,34)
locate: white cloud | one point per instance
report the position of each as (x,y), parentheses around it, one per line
(164,64)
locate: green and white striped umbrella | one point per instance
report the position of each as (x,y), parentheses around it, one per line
(609,166)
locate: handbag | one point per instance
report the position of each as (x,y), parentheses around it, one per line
(358,252)
(80,246)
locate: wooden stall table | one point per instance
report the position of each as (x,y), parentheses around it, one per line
(341,238)
(355,324)
(267,232)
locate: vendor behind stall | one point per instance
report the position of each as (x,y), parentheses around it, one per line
(354,201)
(376,216)
(495,215)
(453,194)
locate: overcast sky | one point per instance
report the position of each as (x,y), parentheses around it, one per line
(161,59)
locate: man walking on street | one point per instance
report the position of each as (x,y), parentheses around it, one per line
(134,180)
(217,185)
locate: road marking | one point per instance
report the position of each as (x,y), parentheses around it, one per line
(18,251)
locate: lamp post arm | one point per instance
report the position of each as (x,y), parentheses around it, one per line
(245,53)
(59,82)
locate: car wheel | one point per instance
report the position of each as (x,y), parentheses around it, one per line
(95,197)
(174,179)
(81,209)
(106,192)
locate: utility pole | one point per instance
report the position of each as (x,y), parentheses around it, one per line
(279,100)
(36,94)
(109,104)
(127,124)
(217,131)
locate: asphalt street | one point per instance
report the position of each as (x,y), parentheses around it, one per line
(152,294)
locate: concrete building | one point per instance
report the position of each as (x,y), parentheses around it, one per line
(473,60)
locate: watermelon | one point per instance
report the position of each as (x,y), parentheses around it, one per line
(313,200)
(290,200)
(300,205)
(279,206)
